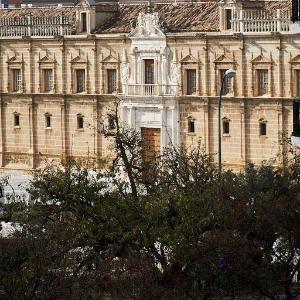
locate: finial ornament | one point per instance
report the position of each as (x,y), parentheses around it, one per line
(149,7)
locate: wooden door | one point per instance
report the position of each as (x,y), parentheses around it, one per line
(151,143)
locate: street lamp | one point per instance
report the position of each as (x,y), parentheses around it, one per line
(228,74)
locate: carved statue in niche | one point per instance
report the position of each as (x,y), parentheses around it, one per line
(175,73)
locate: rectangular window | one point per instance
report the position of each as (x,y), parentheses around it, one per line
(16,120)
(111,123)
(48,121)
(16,80)
(226,83)
(191,126)
(296,118)
(295,10)
(228,18)
(111,81)
(83,22)
(297,73)
(48,80)
(226,127)
(191,82)
(262,128)
(79,122)
(263,82)
(149,71)
(80,80)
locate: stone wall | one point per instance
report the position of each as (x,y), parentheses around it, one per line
(28,146)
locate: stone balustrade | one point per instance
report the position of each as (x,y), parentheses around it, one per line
(35,26)
(150,90)
(260,21)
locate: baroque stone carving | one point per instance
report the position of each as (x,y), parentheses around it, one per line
(125,72)
(148,24)
(175,73)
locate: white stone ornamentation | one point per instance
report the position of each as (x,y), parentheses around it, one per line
(148,24)
(125,72)
(175,74)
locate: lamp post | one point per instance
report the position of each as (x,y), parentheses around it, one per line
(228,74)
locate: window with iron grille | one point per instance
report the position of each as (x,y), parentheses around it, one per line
(191,81)
(48,80)
(226,84)
(263,82)
(16,80)
(80,80)
(111,81)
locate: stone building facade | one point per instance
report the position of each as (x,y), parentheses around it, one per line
(61,67)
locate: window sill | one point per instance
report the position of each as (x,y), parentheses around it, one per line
(226,135)
(80,129)
(227,95)
(264,96)
(191,133)
(48,128)
(191,95)
(17,127)
(49,92)
(263,136)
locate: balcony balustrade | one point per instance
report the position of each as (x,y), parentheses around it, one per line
(147,90)
(260,21)
(35,26)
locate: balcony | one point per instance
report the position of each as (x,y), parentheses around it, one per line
(149,90)
(260,21)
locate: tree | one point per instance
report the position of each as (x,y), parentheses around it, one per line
(167,228)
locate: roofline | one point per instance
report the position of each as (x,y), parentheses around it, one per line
(121,36)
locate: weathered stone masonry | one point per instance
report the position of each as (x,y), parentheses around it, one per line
(111,43)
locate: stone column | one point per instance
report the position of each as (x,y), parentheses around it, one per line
(206,72)
(163,128)
(32,133)
(205,119)
(280,71)
(2,133)
(96,68)
(243,132)
(243,77)
(63,120)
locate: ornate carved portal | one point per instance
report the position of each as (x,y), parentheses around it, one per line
(150,79)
